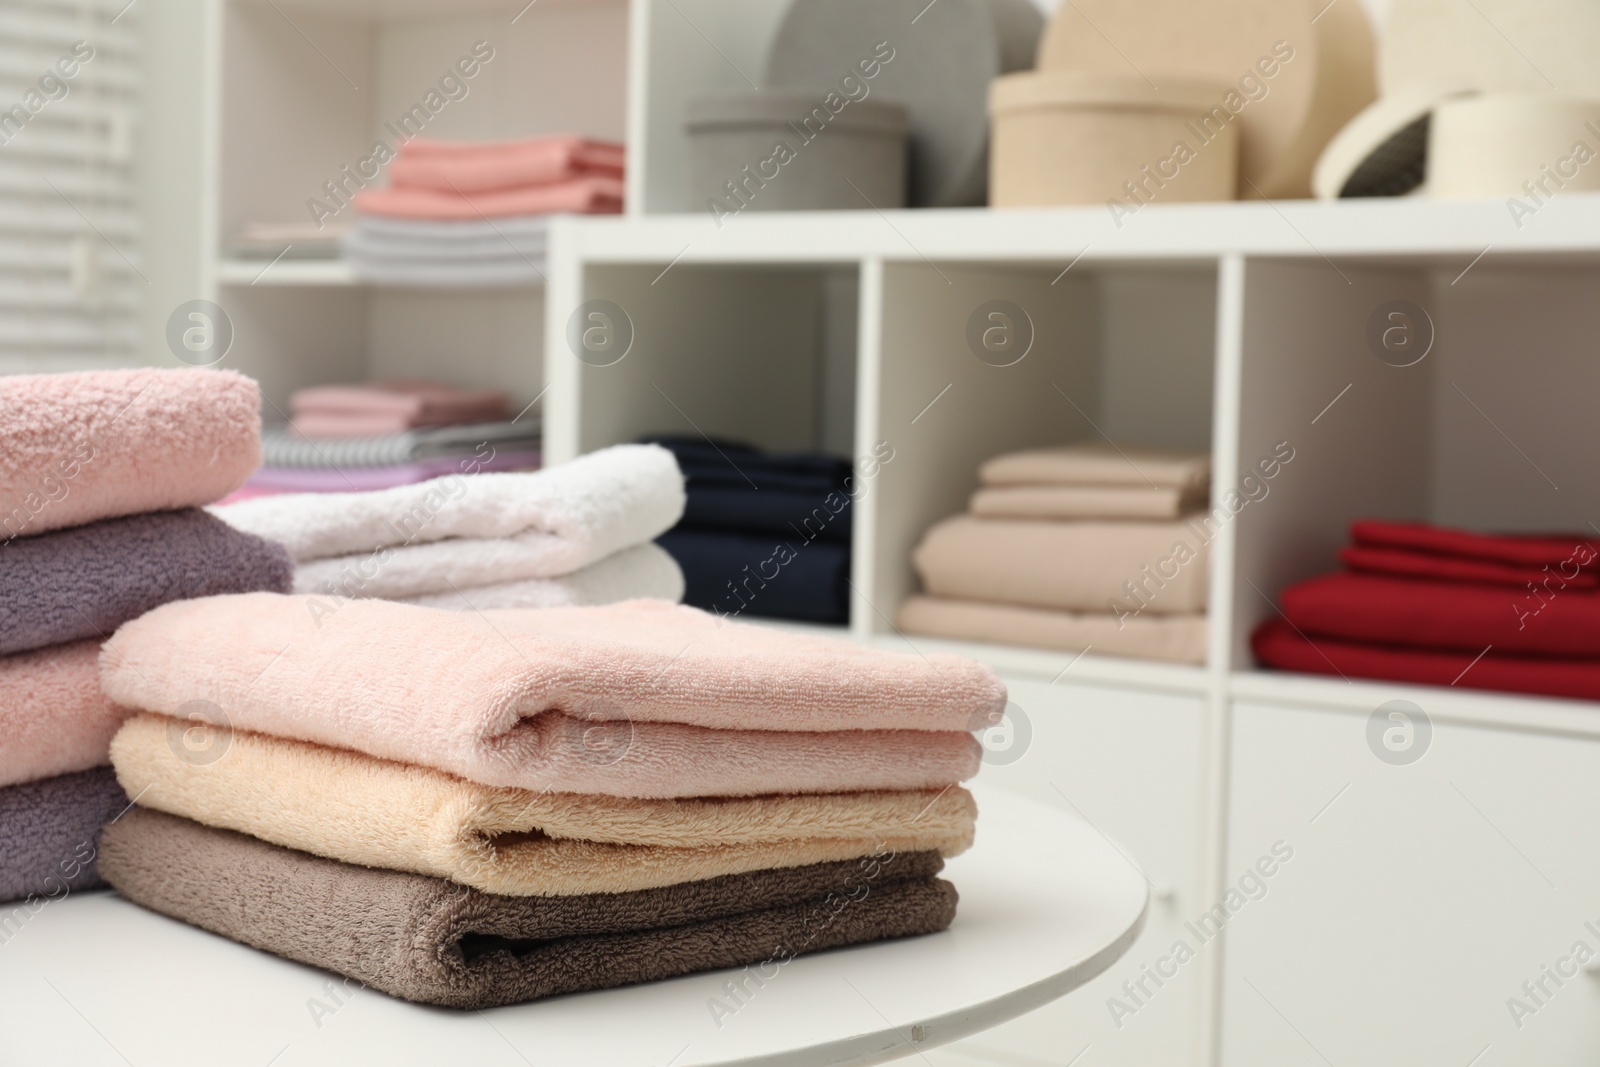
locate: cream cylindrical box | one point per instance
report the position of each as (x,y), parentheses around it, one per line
(1499,144)
(1063,138)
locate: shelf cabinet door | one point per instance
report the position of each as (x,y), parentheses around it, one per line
(1420,897)
(1130,763)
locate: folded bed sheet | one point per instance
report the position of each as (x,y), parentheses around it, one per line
(762,575)
(1276,644)
(93,445)
(516,842)
(645,571)
(1451,616)
(473,167)
(1405,563)
(53,717)
(282,447)
(86,581)
(1100,463)
(1523,550)
(589,195)
(50,833)
(435,942)
(1085,502)
(473,530)
(1168,638)
(376,479)
(1155,568)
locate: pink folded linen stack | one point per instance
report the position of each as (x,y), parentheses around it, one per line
(391,406)
(446,180)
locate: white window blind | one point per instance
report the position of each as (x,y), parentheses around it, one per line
(70,268)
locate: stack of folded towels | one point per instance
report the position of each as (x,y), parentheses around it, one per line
(478,809)
(274,241)
(1435,606)
(763,534)
(577,533)
(100,475)
(463,213)
(1089,546)
(379,434)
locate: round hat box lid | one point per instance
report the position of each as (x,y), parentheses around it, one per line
(1384,150)
(1065,89)
(941,59)
(1309,97)
(1493,45)
(772,109)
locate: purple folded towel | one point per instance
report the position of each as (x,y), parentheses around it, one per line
(50,834)
(86,581)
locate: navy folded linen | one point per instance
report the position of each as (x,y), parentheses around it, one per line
(749,574)
(85,581)
(50,834)
(730,463)
(736,488)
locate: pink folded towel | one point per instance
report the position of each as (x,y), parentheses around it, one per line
(500,697)
(53,717)
(102,444)
(392,406)
(470,167)
(583,196)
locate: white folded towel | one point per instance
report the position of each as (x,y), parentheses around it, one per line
(471,529)
(643,571)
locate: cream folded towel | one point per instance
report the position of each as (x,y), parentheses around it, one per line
(643,571)
(1117,567)
(1169,638)
(516,842)
(473,529)
(709,707)
(1100,463)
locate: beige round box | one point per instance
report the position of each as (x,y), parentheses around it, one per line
(1065,138)
(1532,145)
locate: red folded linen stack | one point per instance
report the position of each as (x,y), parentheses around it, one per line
(466,180)
(1423,604)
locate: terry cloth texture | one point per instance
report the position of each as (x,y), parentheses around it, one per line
(495,696)
(53,717)
(50,831)
(282,447)
(88,580)
(474,167)
(477,530)
(1452,616)
(1276,644)
(1085,502)
(1100,463)
(759,574)
(357,809)
(1169,638)
(434,942)
(99,444)
(642,571)
(1157,568)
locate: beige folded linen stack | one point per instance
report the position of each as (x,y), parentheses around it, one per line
(1087,546)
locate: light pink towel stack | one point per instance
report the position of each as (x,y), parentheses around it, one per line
(446,180)
(639,699)
(369,409)
(53,717)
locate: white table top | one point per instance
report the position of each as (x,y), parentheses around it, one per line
(1047,903)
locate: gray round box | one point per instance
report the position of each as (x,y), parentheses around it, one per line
(792,151)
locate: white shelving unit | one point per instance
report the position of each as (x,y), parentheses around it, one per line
(1228,326)
(1419,898)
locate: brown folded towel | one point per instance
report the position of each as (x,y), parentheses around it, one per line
(1100,463)
(1084,502)
(431,941)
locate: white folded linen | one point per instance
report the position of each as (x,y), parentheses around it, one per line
(640,572)
(471,529)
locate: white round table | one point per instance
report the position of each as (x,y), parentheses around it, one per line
(1047,903)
